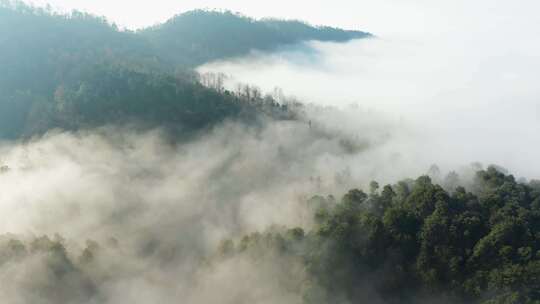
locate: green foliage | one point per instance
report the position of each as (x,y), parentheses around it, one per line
(424,243)
(78,71)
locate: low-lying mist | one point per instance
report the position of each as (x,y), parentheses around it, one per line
(111,215)
(469,96)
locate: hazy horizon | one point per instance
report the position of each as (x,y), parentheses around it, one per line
(382,17)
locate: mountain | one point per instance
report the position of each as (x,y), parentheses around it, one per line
(77,70)
(200,36)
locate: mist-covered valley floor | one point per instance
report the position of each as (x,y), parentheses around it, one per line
(154,211)
(310,165)
(464,107)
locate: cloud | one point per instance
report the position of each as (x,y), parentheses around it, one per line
(129,216)
(470,95)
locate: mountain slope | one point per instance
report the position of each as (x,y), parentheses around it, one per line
(76,71)
(200,36)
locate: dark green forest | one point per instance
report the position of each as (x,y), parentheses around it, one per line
(415,242)
(202,35)
(78,71)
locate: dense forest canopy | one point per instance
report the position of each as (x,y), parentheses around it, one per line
(415,242)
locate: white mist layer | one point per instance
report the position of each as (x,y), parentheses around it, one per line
(158,210)
(91,180)
(472,95)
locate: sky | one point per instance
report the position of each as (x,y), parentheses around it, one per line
(343,13)
(380,16)
(385,18)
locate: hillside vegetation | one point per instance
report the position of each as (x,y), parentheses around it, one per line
(412,242)
(415,242)
(77,71)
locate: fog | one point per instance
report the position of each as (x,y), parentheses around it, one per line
(473,98)
(111,215)
(139,216)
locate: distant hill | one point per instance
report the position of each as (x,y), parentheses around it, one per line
(77,70)
(200,36)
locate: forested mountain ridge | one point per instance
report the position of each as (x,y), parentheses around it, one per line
(201,36)
(77,70)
